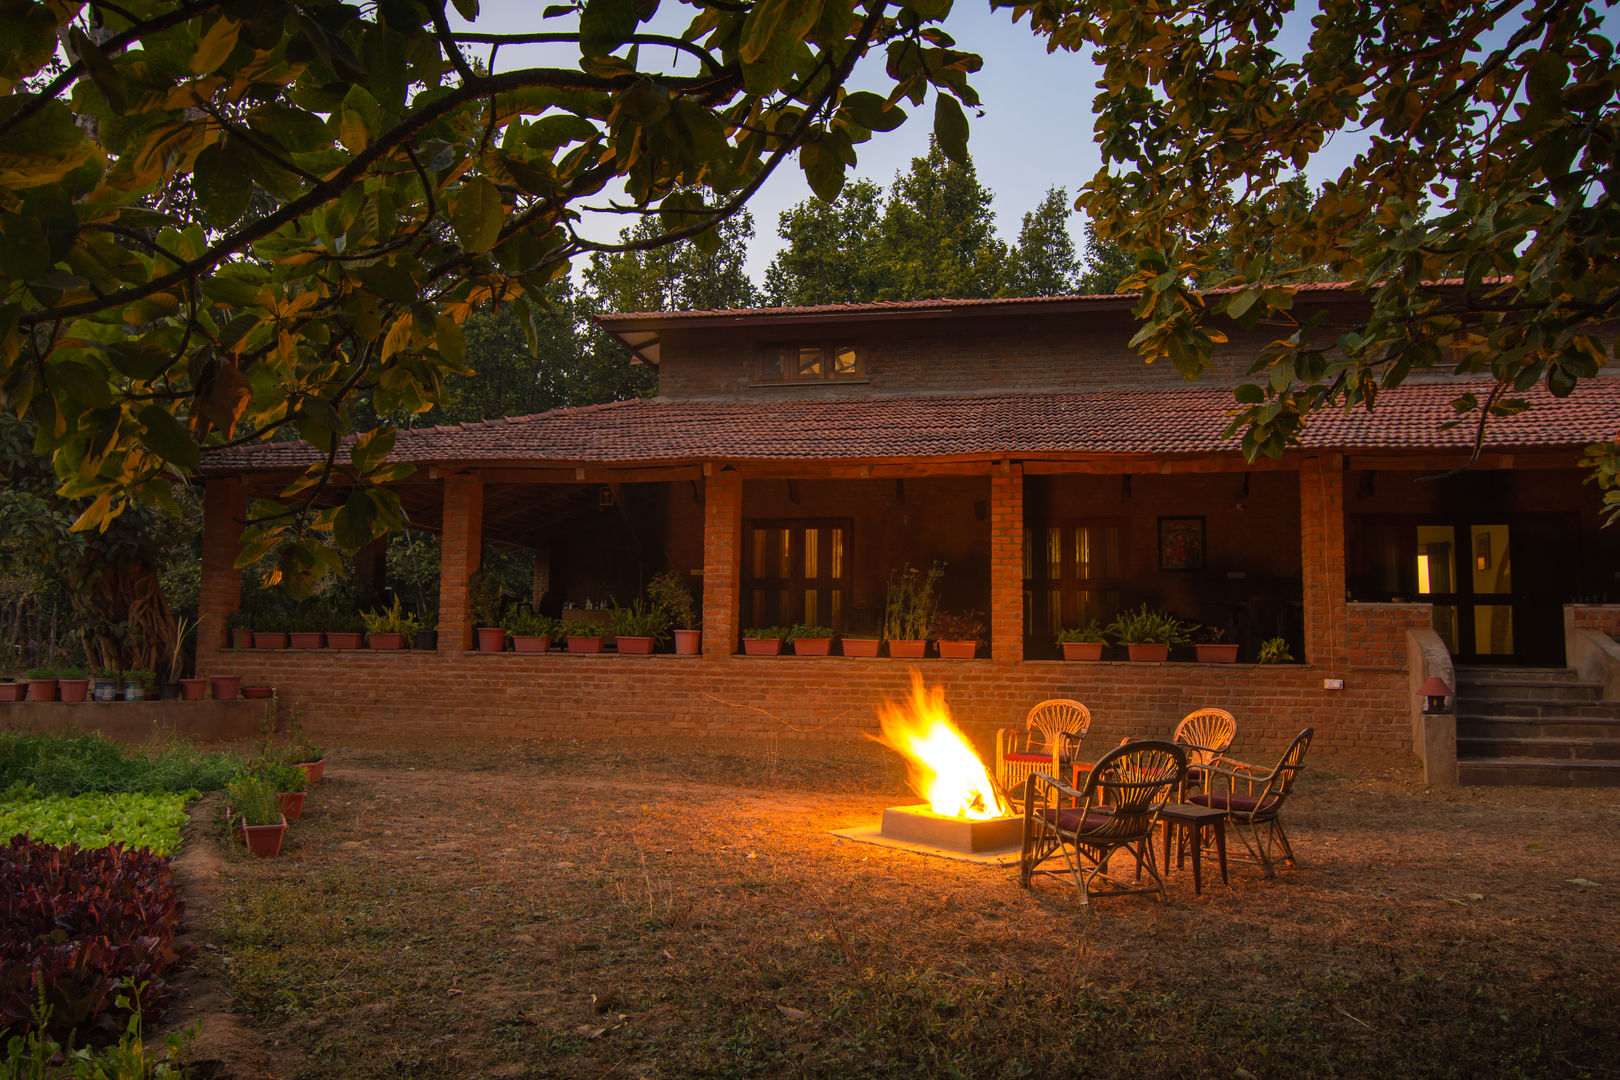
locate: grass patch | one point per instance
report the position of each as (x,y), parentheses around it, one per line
(75,764)
(134,819)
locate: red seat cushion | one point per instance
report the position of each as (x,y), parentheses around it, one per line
(1069,820)
(1027,757)
(1221,800)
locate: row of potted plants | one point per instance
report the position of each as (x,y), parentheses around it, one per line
(270,791)
(668,610)
(76,685)
(954,637)
(1148,634)
(328,627)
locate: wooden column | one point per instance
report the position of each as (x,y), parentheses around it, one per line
(722,562)
(461,555)
(1007,563)
(220,590)
(1321,527)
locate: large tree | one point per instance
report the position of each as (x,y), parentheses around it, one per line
(1479,222)
(831,254)
(684,276)
(219,221)
(1043,262)
(937,237)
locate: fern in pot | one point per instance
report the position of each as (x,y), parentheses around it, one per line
(1083,642)
(1147,633)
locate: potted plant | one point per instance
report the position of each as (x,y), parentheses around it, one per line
(908,608)
(103,685)
(389,628)
(42,684)
(639,627)
(1147,633)
(484,604)
(859,646)
(957,636)
(289,782)
(305,754)
(12,689)
(763,640)
(258,812)
(1213,645)
(1274,651)
(427,634)
(270,630)
(239,630)
(193,689)
(1084,642)
(307,627)
(531,632)
(73,684)
(224,687)
(582,635)
(345,629)
(670,591)
(810,640)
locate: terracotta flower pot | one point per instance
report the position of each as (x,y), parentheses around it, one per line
(688,642)
(860,646)
(264,840)
(13,691)
(241,638)
(258,693)
(193,689)
(292,804)
(1082,650)
(812,646)
(72,689)
(908,650)
(305,639)
(269,639)
(387,641)
(762,646)
(958,650)
(585,644)
(1216,654)
(491,639)
(1150,653)
(41,689)
(344,639)
(635,644)
(530,644)
(313,770)
(224,687)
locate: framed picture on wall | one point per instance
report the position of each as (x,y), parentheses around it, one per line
(1181,543)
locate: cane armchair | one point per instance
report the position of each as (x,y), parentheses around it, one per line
(1051,736)
(1205,735)
(1115,811)
(1253,798)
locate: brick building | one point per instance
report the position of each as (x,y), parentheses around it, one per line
(794,458)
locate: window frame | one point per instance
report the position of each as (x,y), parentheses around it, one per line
(1069,583)
(829,349)
(796,583)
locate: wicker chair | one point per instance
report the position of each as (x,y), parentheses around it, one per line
(1052,733)
(1253,799)
(1116,810)
(1205,736)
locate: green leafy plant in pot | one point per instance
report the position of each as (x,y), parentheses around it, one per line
(531,631)
(1147,633)
(957,637)
(810,640)
(1274,651)
(582,635)
(670,591)
(390,627)
(908,608)
(257,813)
(640,626)
(1083,642)
(484,604)
(764,640)
(1213,645)
(290,783)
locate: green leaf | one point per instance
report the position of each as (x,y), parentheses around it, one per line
(1248,394)
(223,184)
(370,449)
(215,46)
(78,383)
(775,24)
(822,169)
(951,128)
(389,281)
(873,111)
(162,434)
(141,360)
(477,214)
(604,25)
(452,343)
(468,9)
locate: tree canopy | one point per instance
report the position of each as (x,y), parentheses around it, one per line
(220,221)
(1479,222)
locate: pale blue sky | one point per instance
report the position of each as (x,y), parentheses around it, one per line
(1035,132)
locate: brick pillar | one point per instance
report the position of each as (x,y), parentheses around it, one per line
(1321,527)
(219,595)
(1007,563)
(722,563)
(461,554)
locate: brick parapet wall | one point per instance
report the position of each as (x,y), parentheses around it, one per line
(1007,564)
(461,554)
(722,563)
(1604,618)
(508,695)
(1322,565)
(1376,633)
(220,593)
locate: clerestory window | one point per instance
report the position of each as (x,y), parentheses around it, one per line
(810,363)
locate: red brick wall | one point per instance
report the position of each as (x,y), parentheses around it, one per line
(477,695)
(220,596)
(1321,513)
(1007,564)
(461,555)
(722,540)
(1376,633)
(1604,618)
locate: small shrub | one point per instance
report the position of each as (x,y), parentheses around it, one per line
(670,591)
(524,621)
(254,800)
(909,602)
(1147,626)
(580,628)
(641,619)
(1274,651)
(766,633)
(1091,633)
(802,632)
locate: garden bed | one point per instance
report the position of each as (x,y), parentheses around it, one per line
(676,908)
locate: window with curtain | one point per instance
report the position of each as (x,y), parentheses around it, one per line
(795,571)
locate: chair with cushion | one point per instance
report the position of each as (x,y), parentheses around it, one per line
(1254,797)
(1205,735)
(1051,736)
(1115,811)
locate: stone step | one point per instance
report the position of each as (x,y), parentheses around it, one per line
(1531,727)
(1539,748)
(1527,771)
(1493,690)
(1466,675)
(1535,707)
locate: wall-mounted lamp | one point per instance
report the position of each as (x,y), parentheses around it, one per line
(604,496)
(1434,692)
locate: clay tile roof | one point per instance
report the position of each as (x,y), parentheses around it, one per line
(1180,420)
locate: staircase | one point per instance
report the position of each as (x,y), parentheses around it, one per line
(1535,726)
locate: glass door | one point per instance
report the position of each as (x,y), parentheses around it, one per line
(1466,571)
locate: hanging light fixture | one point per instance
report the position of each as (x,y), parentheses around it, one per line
(1434,693)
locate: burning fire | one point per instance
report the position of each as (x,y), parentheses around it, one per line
(943,767)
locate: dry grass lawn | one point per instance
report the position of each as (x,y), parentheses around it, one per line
(659,909)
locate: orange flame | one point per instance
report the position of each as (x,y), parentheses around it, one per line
(942,764)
